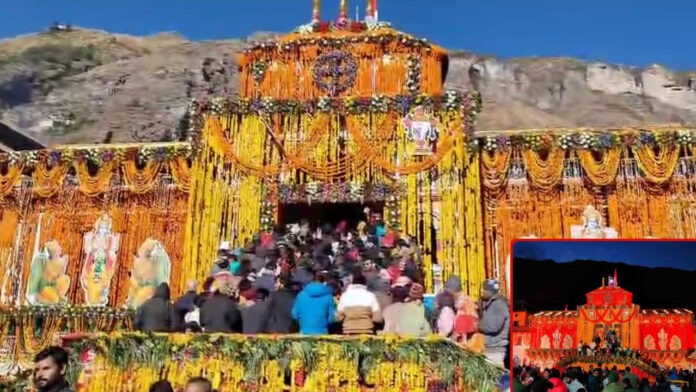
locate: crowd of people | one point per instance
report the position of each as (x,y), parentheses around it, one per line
(332,280)
(609,346)
(599,379)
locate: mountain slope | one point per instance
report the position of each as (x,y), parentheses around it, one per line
(85,86)
(546,285)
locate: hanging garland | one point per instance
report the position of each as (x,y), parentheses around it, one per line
(450,101)
(605,316)
(139,165)
(538,140)
(413,81)
(335,192)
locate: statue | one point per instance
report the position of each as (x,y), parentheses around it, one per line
(48,284)
(592,226)
(151,268)
(101,250)
(421,128)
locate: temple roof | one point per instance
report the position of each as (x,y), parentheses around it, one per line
(609,296)
(557,313)
(662,312)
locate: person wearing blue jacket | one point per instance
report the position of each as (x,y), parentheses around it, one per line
(314,307)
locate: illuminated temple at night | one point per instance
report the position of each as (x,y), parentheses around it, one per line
(552,338)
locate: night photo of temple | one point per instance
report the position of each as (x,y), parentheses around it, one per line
(634,316)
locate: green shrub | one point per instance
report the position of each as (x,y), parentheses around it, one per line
(60,54)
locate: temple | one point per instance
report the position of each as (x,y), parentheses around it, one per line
(556,338)
(335,116)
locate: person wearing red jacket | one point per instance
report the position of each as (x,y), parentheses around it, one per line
(555,380)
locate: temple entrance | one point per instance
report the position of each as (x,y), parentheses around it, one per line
(321,213)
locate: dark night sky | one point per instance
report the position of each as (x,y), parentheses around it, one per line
(550,275)
(653,254)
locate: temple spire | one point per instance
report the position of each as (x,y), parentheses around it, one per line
(375,14)
(368,11)
(316,11)
(603,281)
(616,278)
(343,10)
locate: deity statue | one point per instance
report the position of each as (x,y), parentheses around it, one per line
(101,250)
(48,283)
(151,268)
(592,226)
(421,128)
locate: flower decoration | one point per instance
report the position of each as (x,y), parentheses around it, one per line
(313,190)
(356,191)
(685,137)
(258,70)
(586,140)
(335,72)
(413,76)
(354,26)
(450,101)
(393,219)
(440,359)
(98,155)
(268,214)
(55,157)
(564,141)
(335,192)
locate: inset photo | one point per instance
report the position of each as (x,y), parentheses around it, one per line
(602,312)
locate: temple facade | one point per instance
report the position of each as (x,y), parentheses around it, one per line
(548,338)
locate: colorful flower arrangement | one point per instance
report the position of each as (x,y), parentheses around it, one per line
(98,154)
(413,81)
(335,72)
(381,36)
(258,69)
(336,192)
(435,358)
(18,382)
(586,140)
(393,210)
(268,215)
(65,311)
(450,101)
(355,26)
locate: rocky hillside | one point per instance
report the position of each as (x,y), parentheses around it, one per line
(86,86)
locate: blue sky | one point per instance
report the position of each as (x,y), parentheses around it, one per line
(630,32)
(680,255)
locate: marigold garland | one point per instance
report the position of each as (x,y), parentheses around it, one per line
(130,362)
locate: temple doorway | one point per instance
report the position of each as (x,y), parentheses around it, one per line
(332,213)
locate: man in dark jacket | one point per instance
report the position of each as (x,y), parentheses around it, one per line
(155,315)
(254,317)
(183,305)
(494,323)
(280,305)
(220,313)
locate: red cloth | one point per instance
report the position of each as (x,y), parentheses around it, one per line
(394,272)
(465,324)
(558,385)
(266,239)
(389,239)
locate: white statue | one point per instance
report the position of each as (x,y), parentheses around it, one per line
(592,226)
(101,249)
